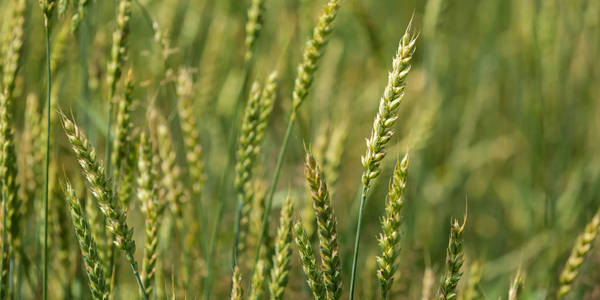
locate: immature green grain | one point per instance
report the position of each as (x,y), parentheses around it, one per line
(148,196)
(454,262)
(256,117)
(189,128)
(118,52)
(516,286)
(326,222)
(582,246)
(472,292)
(283,252)
(312,53)
(389,238)
(101,189)
(382,129)
(309,262)
(237,293)
(253,26)
(87,245)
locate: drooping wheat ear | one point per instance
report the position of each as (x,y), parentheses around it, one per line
(454,262)
(326,222)
(256,117)
(283,252)
(189,127)
(428,281)
(382,129)
(309,262)
(171,180)
(312,53)
(389,238)
(87,245)
(118,52)
(148,196)
(79,14)
(123,155)
(253,26)
(472,292)
(101,189)
(388,107)
(237,292)
(516,286)
(582,247)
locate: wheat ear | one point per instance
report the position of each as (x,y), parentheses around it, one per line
(123,155)
(382,129)
(101,189)
(582,247)
(454,262)
(256,117)
(87,245)
(309,262)
(148,196)
(327,231)
(283,252)
(389,238)
(471,291)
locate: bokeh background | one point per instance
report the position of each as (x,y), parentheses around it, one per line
(501,120)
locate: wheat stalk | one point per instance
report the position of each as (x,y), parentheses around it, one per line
(327,231)
(309,262)
(382,128)
(389,238)
(283,252)
(454,262)
(87,245)
(580,249)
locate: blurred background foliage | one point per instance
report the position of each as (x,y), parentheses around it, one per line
(501,115)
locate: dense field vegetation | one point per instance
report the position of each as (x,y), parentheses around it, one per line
(302,149)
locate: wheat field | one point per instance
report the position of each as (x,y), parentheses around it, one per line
(302,149)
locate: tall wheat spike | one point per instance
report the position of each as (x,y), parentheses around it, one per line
(383,129)
(326,222)
(87,245)
(389,238)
